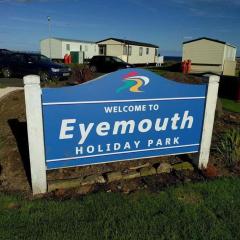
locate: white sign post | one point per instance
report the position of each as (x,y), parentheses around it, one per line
(33,104)
(211,101)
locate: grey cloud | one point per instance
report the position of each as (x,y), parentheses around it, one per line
(187,2)
(200,8)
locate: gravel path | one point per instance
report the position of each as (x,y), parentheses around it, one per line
(5,91)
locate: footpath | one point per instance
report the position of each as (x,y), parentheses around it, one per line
(5,91)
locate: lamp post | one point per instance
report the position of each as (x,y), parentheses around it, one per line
(49,33)
(126,46)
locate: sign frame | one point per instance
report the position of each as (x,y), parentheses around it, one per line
(34,114)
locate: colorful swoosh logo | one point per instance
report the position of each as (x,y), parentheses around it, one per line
(133,82)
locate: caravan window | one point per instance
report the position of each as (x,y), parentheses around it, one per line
(129,50)
(124,50)
(147,51)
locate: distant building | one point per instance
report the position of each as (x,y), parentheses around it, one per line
(129,51)
(56,48)
(210,55)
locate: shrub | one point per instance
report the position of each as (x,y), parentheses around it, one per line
(80,73)
(229,147)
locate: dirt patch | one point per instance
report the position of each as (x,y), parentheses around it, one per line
(13,139)
(188,197)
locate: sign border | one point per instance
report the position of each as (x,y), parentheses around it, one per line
(34,103)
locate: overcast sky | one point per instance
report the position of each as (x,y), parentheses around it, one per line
(166,23)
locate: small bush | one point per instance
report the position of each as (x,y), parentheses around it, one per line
(229,147)
(80,74)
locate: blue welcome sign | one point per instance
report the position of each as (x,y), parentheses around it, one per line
(128,114)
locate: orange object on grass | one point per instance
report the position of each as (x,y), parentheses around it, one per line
(184,66)
(188,66)
(66,58)
(69,59)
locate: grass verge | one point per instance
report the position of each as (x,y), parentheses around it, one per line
(231,105)
(207,210)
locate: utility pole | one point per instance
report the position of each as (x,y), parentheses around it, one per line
(49,33)
(127,47)
(127,52)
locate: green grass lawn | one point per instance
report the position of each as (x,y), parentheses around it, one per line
(207,210)
(231,105)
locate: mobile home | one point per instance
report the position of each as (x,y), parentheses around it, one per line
(56,48)
(210,55)
(129,51)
